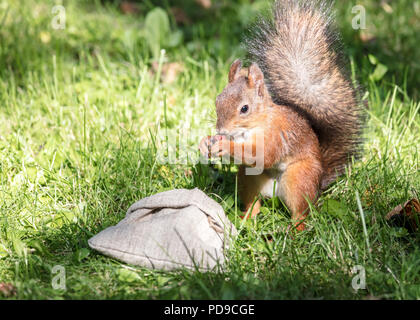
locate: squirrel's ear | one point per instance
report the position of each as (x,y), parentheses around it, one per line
(255,78)
(235,69)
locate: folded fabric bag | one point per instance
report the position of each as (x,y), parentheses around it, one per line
(170,230)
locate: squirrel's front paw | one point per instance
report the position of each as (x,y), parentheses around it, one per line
(204,146)
(220,146)
(213,146)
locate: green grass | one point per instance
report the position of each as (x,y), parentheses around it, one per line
(83,116)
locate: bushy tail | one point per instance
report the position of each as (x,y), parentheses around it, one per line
(299,51)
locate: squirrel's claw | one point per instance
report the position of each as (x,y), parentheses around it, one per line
(214,146)
(220,148)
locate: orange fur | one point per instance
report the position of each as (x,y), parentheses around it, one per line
(291,154)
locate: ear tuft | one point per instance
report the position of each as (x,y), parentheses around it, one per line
(255,78)
(235,70)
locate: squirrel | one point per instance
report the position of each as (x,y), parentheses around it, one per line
(297,93)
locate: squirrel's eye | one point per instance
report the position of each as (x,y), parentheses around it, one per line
(244,109)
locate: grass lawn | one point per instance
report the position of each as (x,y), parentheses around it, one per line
(83,115)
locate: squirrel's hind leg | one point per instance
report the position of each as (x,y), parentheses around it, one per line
(300,184)
(249,189)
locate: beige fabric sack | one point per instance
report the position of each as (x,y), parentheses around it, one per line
(170,230)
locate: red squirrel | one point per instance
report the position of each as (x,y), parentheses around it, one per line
(297,95)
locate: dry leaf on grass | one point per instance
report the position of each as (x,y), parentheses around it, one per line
(180,16)
(169,71)
(366,37)
(188,173)
(7,289)
(406,215)
(128,7)
(385,5)
(206,4)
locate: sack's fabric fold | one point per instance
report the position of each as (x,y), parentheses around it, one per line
(174,229)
